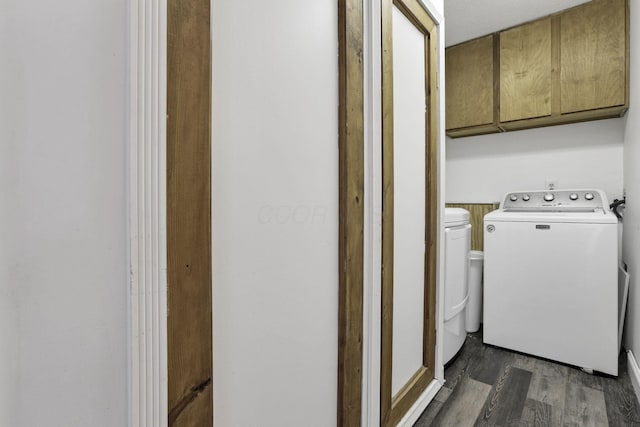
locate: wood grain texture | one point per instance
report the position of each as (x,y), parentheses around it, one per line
(409,393)
(620,398)
(505,403)
(475,130)
(555,66)
(477,211)
(465,361)
(496,81)
(562,119)
(536,414)
(199,413)
(432,118)
(556,393)
(351,225)
(394,407)
(522,361)
(442,395)
(490,373)
(578,376)
(593,56)
(548,385)
(386,338)
(428,416)
(189,209)
(525,71)
(465,404)
(470,70)
(584,407)
(589,71)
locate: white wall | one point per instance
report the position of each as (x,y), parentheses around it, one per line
(483,168)
(631,235)
(275,212)
(63,245)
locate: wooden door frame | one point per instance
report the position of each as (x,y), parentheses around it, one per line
(188,223)
(394,408)
(351,202)
(354,388)
(147,212)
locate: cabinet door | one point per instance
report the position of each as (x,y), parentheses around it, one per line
(593,55)
(525,71)
(469,84)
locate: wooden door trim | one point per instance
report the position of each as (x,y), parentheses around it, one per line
(147,212)
(189,269)
(351,223)
(386,337)
(393,408)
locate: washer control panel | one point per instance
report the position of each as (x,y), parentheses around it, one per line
(556,200)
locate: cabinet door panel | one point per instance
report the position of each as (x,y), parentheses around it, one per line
(525,71)
(469,83)
(593,50)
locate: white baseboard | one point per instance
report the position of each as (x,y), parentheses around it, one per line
(416,410)
(634,373)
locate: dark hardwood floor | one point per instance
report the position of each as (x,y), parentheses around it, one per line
(491,386)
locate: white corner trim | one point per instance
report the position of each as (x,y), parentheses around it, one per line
(634,373)
(439,20)
(432,10)
(147,181)
(421,404)
(372,287)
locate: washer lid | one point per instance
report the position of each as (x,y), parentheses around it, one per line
(454,217)
(599,216)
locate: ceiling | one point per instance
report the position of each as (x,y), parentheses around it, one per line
(468,19)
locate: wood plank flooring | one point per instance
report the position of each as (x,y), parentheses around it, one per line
(491,386)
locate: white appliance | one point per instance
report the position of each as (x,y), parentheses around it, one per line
(457,233)
(551,277)
(474,305)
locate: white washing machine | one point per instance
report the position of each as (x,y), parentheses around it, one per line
(550,277)
(457,233)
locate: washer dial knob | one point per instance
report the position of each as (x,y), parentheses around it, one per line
(573,196)
(526,198)
(548,197)
(513,197)
(588,196)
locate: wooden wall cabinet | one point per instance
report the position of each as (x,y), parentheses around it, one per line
(569,67)
(593,61)
(525,71)
(471,103)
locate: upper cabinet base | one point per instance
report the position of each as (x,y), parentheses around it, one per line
(473,130)
(580,116)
